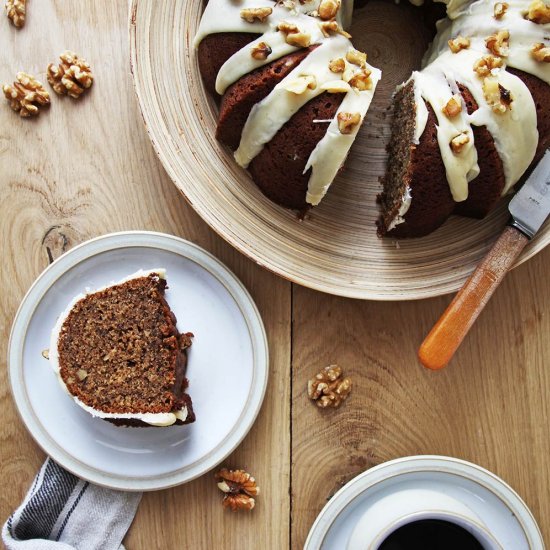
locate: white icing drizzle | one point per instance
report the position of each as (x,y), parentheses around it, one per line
(331,151)
(403,209)
(153,419)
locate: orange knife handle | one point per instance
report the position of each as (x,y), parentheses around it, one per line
(443,340)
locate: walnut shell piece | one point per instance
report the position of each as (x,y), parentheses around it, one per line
(16,10)
(239,487)
(329,388)
(27,95)
(73,76)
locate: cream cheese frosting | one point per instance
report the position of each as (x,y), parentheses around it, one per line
(153,419)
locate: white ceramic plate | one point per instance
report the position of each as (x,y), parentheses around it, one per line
(503,511)
(228,364)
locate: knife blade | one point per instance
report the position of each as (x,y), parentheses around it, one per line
(528,209)
(531,205)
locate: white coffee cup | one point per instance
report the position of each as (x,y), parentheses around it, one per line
(394,511)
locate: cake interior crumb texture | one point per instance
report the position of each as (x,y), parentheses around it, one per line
(120,350)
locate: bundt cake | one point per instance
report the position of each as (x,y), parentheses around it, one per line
(118,354)
(466,127)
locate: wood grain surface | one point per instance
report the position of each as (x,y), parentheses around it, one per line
(87,168)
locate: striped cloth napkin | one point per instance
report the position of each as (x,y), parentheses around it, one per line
(63,512)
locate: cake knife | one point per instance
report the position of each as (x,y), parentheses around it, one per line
(529,209)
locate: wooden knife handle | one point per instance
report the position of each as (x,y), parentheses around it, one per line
(443,340)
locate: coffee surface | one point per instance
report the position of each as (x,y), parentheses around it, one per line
(431,534)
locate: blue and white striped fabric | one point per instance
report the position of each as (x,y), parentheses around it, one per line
(63,512)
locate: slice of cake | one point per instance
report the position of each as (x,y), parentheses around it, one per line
(118,353)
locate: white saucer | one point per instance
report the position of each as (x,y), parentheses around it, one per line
(500,507)
(228,364)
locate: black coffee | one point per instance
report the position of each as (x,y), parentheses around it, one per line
(431,534)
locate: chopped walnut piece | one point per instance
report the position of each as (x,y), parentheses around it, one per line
(300,84)
(329,388)
(261,51)
(499,43)
(16,11)
(500,9)
(256,14)
(82,374)
(361,81)
(239,487)
(336,87)
(293,36)
(541,53)
(332,27)
(328,9)
(300,39)
(46,353)
(356,57)
(458,142)
(72,76)
(487,64)
(459,43)
(497,97)
(26,95)
(287,28)
(538,12)
(337,65)
(453,107)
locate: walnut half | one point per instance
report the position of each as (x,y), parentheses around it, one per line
(16,10)
(239,487)
(72,76)
(26,95)
(329,388)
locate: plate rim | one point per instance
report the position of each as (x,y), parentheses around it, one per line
(349,291)
(131,239)
(422,463)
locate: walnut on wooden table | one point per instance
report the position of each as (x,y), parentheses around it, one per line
(329,387)
(27,95)
(73,76)
(239,487)
(16,10)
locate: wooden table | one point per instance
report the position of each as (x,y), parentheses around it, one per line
(87,168)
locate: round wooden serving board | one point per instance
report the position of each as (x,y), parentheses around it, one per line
(335,249)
